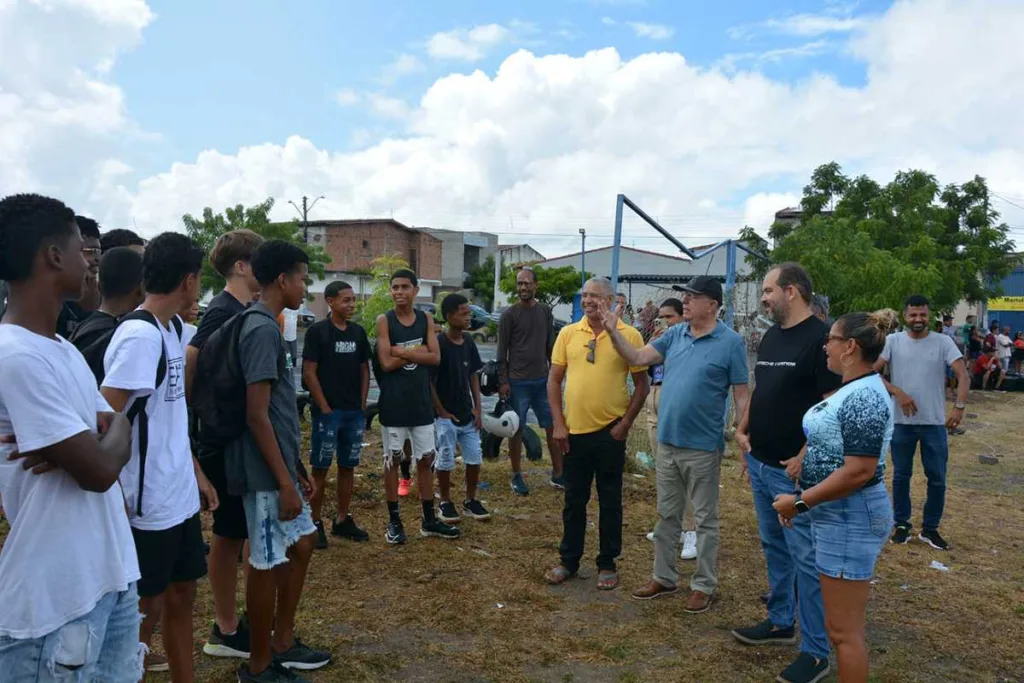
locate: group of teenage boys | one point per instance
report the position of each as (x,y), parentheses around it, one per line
(95,420)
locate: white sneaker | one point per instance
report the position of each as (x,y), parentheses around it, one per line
(689,551)
(682,536)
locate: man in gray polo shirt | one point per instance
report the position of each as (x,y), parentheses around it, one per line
(703,358)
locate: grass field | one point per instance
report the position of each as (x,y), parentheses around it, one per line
(477,609)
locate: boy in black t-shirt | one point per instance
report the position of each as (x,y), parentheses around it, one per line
(336,370)
(455,391)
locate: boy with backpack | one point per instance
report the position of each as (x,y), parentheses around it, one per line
(120,282)
(455,391)
(406,346)
(336,370)
(249,406)
(231,257)
(68,603)
(144,378)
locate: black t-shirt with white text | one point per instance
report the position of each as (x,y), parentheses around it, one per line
(459,362)
(221,308)
(340,356)
(790,377)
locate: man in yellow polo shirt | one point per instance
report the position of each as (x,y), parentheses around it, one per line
(591,431)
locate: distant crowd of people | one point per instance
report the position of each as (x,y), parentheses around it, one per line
(121,420)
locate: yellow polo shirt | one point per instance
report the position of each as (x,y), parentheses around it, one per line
(595,393)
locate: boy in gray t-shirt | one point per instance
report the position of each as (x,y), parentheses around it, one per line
(918,361)
(262,467)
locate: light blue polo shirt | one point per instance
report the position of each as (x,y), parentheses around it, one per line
(698,374)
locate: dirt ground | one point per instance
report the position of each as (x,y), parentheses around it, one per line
(477,609)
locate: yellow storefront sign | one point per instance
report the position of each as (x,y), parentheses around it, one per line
(1006,303)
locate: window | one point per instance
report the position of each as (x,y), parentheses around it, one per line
(366,244)
(412,259)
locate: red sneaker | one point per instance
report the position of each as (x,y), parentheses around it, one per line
(404,487)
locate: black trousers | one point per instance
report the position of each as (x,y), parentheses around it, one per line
(593,456)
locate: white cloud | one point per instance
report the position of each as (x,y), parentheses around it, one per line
(835,19)
(652,31)
(731,61)
(608,21)
(347,97)
(469,46)
(549,141)
(403,65)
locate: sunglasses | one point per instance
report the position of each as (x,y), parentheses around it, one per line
(592,346)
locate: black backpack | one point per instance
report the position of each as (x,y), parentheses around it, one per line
(218,399)
(94,353)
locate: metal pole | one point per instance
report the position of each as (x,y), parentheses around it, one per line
(305,220)
(583,257)
(497,279)
(619,201)
(730,281)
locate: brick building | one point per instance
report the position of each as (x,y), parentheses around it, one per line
(354,244)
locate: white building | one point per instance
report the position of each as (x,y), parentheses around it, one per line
(662,269)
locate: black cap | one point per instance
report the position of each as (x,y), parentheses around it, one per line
(703,284)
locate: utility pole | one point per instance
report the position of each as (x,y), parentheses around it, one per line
(583,257)
(304,214)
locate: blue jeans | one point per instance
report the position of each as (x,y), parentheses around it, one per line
(103,646)
(789,554)
(849,533)
(934,440)
(339,431)
(531,393)
(447,435)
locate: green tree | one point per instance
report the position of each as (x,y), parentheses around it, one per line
(554,285)
(379,301)
(882,243)
(205,232)
(481,281)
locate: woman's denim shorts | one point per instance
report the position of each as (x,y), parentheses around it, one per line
(849,533)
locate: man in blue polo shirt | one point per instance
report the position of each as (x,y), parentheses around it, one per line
(703,358)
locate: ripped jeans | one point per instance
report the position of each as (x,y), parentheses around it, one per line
(102,646)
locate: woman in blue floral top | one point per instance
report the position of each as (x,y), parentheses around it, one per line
(844,493)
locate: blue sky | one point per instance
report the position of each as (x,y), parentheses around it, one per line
(210,76)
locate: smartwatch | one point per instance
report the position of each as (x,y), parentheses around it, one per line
(959,406)
(800,504)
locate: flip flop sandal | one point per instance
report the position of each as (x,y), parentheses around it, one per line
(558,575)
(607,581)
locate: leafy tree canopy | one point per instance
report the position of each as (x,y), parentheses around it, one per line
(869,246)
(379,301)
(205,232)
(554,285)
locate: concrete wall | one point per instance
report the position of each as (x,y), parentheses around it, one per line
(353,245)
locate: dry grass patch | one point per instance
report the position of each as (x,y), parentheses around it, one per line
(476,609)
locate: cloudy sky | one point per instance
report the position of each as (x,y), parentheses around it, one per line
(526,121)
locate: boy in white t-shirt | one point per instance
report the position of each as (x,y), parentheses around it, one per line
(69,607)
(144,377)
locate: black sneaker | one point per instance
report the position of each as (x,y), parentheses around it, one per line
(474,509)
(436,527)
(275,673)
(303,657)
(234,645)
(321,536)
(765,633)
(395,535)
(902,534)
(448,513)
(933,539)
(804,669)
(348,529)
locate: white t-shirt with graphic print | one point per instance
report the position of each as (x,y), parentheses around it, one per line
(171,494)
(67,547)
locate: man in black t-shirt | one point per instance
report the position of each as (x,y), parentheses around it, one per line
(791,376)
(74,313)
(455,390)
(336,371)
(232,258)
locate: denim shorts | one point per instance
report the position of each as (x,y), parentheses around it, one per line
(102,645)
(531,393)
(849,533)
(467,437)
(339,431)
(269,537)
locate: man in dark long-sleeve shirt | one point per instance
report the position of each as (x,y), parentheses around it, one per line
(526,336)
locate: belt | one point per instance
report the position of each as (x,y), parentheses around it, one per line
(871,482)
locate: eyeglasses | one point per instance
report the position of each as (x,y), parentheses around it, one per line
(592,345)
(92,252)
(834,338)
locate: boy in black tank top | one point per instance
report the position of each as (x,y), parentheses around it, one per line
(406,345)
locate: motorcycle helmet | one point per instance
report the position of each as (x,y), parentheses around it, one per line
(502,421)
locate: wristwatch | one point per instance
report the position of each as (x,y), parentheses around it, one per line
(959,406)
(800,504)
